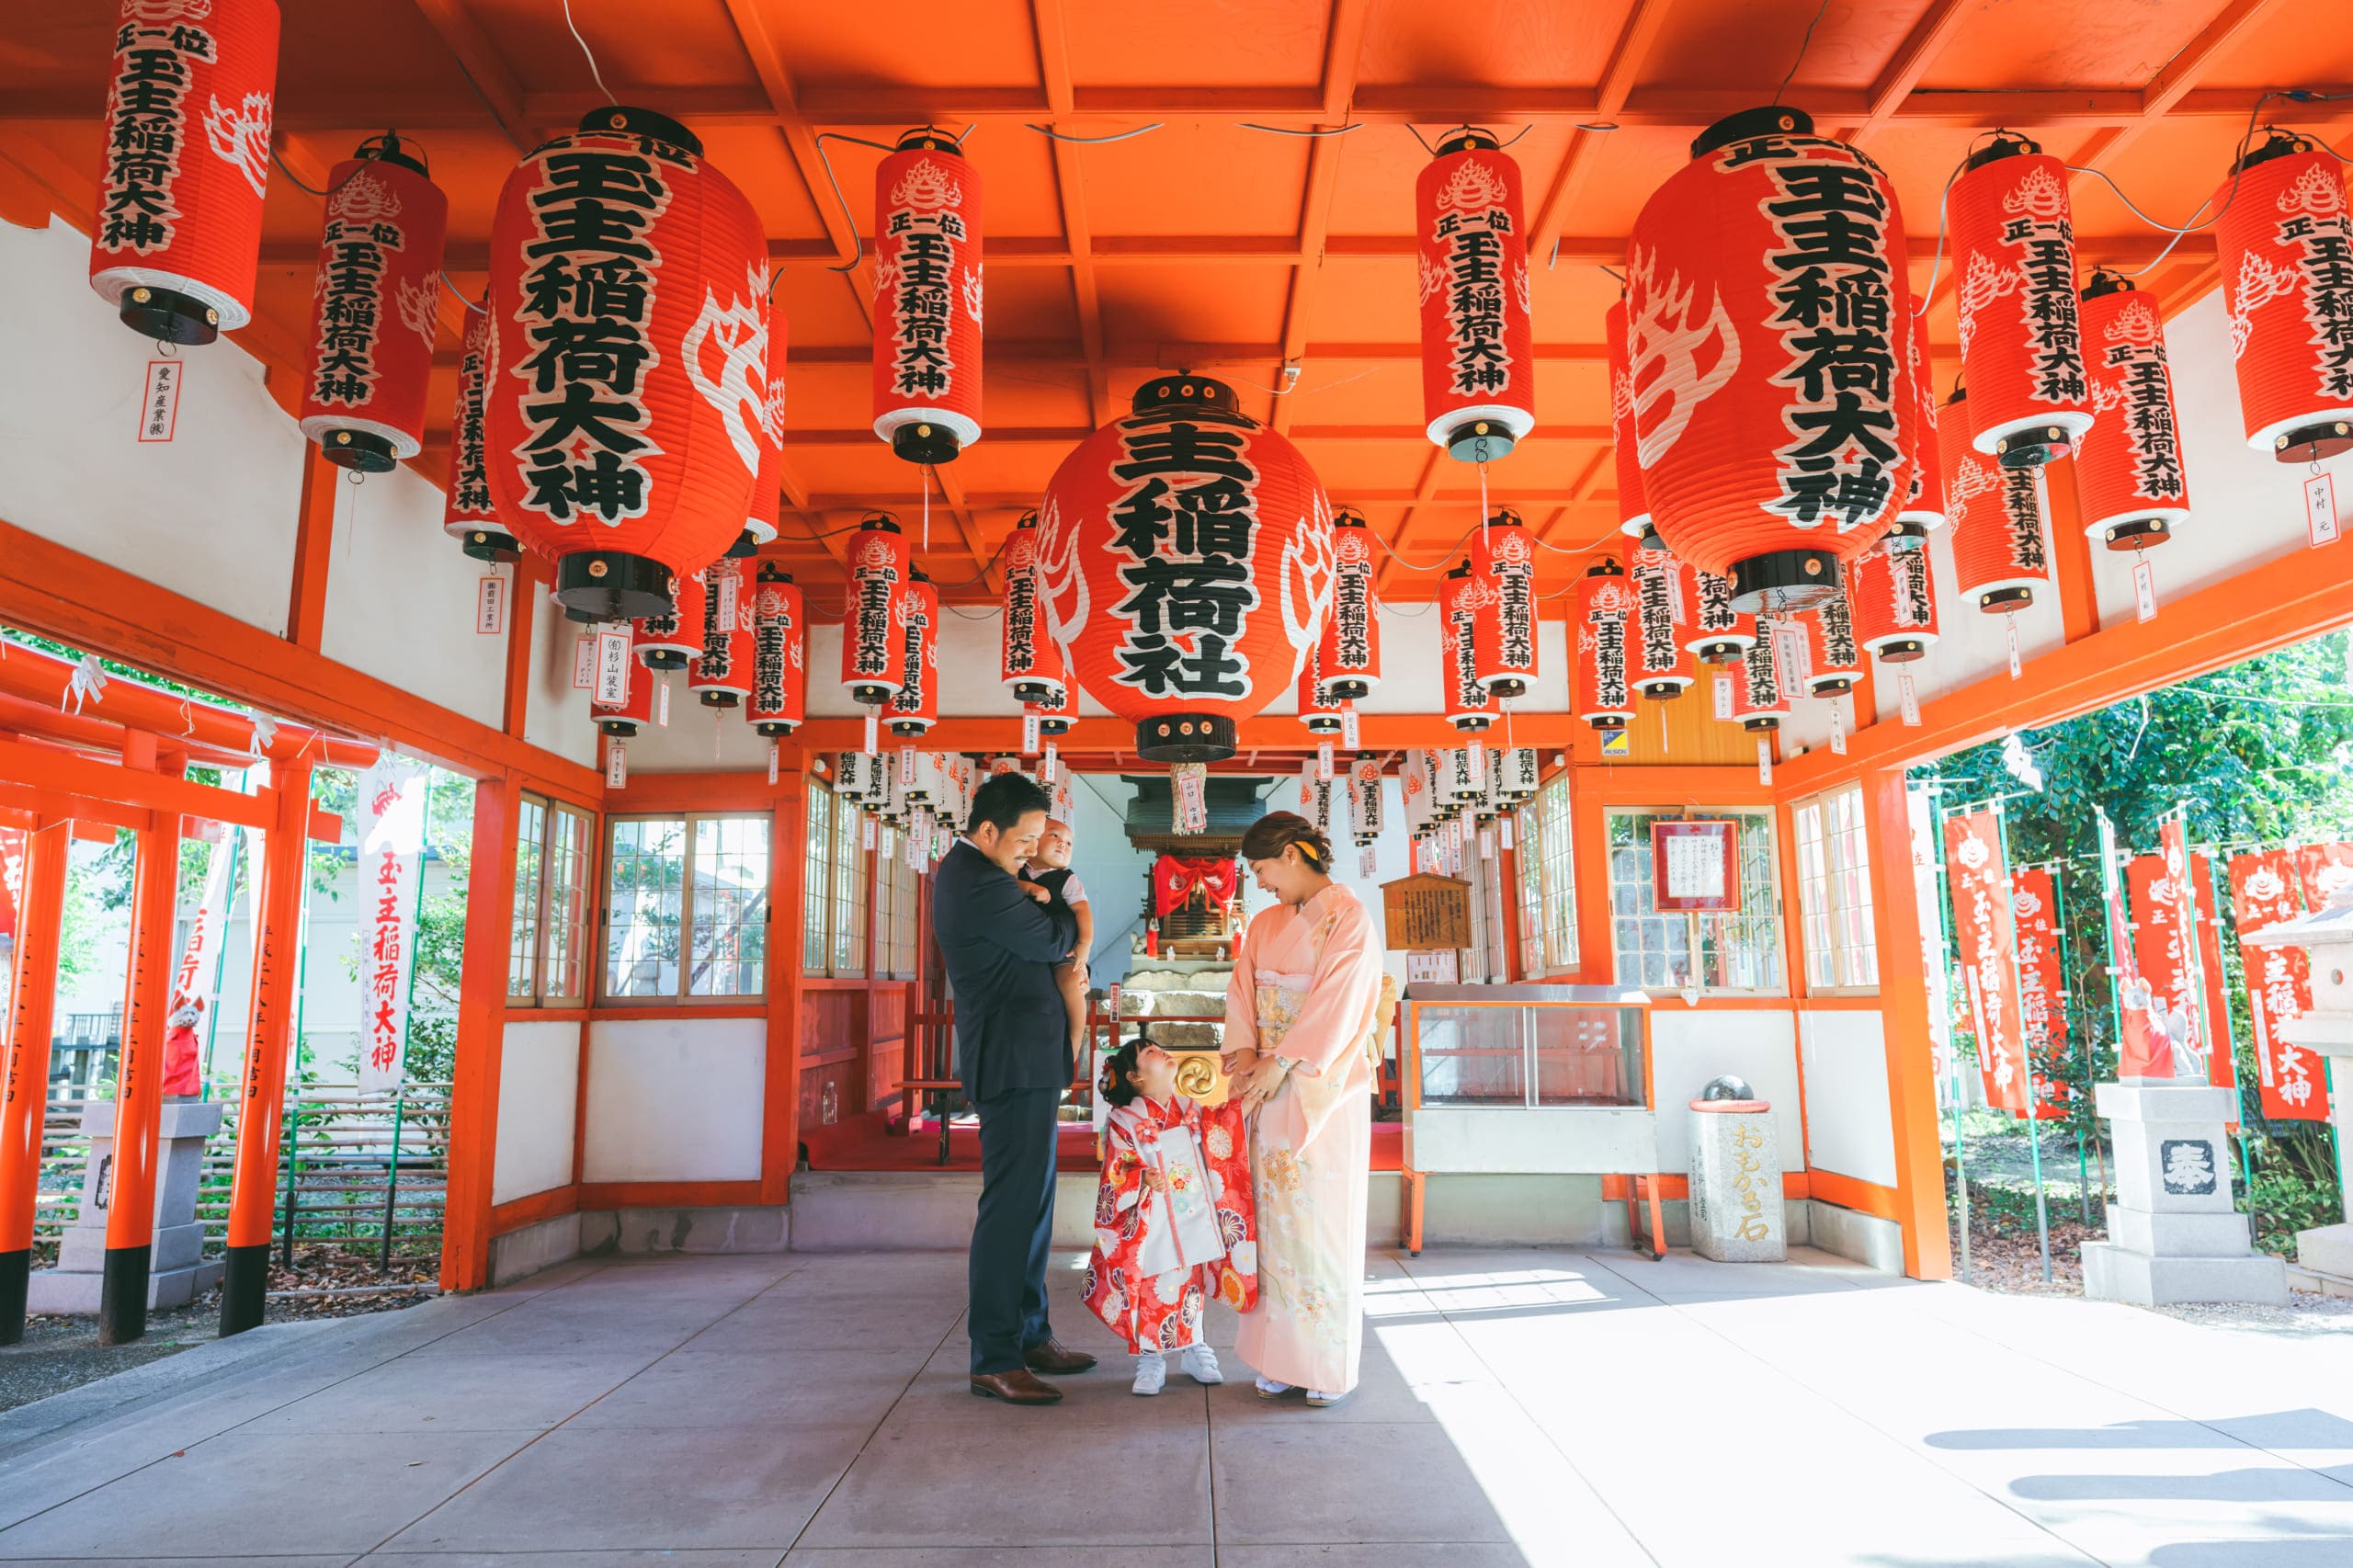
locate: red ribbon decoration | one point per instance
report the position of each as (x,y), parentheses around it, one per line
(1174,880)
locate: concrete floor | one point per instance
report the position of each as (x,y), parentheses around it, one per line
(1518,1407)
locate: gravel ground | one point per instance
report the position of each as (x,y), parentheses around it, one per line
(60,1353)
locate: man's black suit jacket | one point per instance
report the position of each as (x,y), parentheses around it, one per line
(1000,947)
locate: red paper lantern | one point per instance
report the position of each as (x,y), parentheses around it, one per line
(2128,465)
(1478,349)
(721,673)
(1188,560)
(2014,265)
(1633,507)
(376,309)
(1765,288)
(1892,593)
(1503,650)
(914,707)
(1661,664)
(1056,714)
(1318,709)
(1925,506)
(633,715)
(1349,652)
(671,638)
(780,654)
(927,299)
(1030,660)
(1462,599)
(178,235)
(1603,626)
(1759,700)
(1999,552)
(466,514)
(1834,658)
(2282,242)
(1717,633)
(629,312)
(871,655)
(767,480)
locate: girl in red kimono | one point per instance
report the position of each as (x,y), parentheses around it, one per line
(1173,1216)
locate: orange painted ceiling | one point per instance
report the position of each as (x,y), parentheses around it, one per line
(1216,241)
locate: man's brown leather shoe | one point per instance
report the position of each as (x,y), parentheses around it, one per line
(1055,1358)
(1018,1386)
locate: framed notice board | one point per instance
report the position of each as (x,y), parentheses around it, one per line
(1695,866)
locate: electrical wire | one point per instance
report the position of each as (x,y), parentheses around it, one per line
(858,253)
(1803,44)
(1049,132)
(451,284)
(589,53)
(297,179)
(1287,131)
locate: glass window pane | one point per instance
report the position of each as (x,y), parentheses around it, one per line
(816,886)
(1472,1056)
(849,894)
(563,974)
(648,863)
(522,954)
(730,901)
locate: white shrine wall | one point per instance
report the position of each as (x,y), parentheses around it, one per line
(556,715)
(1689,1046)
(675,1099)
(539,1096)
(1849,1123)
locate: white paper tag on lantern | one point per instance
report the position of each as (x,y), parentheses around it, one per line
(873,733)
(1478,761)
(1366,865)
(1351,734)
(2145,589)
(583,664)
(2010,633)
(918,835)
(490,606)
(1487,845)
(662,702)
(616,765)
(865,831)
(1764,759)
(906,767)
(885,839)
(1723,697)
(1324,759)
(612,668)
(1837,728)
(727,590)
(776,749)
(1909,695)
(159,409)
(1029,735)
(1046,770)
(1505,825)
(2320,509)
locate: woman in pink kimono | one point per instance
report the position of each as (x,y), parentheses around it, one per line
(1299,1022)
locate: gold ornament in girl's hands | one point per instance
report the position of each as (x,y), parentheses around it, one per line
(1200,1077)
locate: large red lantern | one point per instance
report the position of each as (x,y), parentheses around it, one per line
(376,309)
(871,655)
(1462,599)
(1759,700)
(1603,626)
(1478,347)
(767,427)
(2014,265)
(1834,658)
(1318,709)
(1892,595)
(1924,507)
(178,235)
(1349,652)
(466,514)
(2128,465)
(1717,633)
(927,299)
(1765,291)
(721,674)
(1999,552)
(629,312)
(1661,663)
(1030,660)
(623,721)
(1503,639)
(2283,240)
(780,654)
(1633,507)
(1188,560)
(914,707)
(671,638)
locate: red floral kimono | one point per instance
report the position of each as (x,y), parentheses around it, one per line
(1174,1221)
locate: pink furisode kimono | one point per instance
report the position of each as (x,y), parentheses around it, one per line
(1172,1221)
(1304,989)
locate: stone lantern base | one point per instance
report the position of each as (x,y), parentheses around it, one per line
(2174,1234)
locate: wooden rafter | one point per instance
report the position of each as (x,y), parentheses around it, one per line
(1343,58)
(493,80)
(1634,43)
(1052,40)
(1913,57)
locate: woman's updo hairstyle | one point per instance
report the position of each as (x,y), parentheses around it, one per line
(1116,1082)
(1266,838)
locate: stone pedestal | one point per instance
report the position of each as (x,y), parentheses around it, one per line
(2173,1234)
(1736,1183)
(180,1273)
(2324,1254)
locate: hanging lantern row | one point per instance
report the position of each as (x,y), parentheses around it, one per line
(1319,709)
(914,707)
(2022,347)
(1349,655)
(2282,242)
(873,652)
(780,699)
(1660,662)
(2128,465)
(468,514)
(1477,344)
(1604,630)
(1503,650)
(1892,595)
(928,220)
(1834,660)
(2000,551)
(720,673)
(1759,700)
(1030,661)
(1463,598)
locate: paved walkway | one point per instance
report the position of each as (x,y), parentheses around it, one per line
(1518,1407)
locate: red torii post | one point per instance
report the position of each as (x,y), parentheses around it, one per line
(268,1041)
(24,1060)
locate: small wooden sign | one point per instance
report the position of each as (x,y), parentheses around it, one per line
(1426,910)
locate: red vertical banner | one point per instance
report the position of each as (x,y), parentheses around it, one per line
(1985,931)
(2325,869)
(2042,989)
(2222,1066)
(2279,980)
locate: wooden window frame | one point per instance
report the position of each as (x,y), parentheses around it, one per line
(534,996)
(1756,822)
(1819,927)
(684,997)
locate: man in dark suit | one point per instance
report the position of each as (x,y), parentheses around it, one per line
(1013,1053)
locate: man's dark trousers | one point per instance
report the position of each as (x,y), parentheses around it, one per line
(1015,1227)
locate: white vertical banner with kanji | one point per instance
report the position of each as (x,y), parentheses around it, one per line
(392,852)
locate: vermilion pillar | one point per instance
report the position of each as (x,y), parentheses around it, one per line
(24,1064)
(139,1086)
(269,1040)
(1904,1013)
